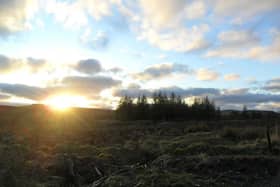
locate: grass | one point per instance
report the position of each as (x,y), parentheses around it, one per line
(34,150)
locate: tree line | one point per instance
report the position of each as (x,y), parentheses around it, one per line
(166,107)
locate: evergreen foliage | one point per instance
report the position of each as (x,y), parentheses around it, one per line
(166,107)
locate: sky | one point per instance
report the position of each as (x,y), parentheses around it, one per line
(90,53)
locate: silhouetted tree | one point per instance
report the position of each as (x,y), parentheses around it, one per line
(245,112)
(125,108)
(166,107)
(142,108)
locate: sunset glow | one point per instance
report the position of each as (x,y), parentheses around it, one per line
(64,102)
(101,50)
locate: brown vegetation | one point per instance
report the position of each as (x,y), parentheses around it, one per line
(42,148)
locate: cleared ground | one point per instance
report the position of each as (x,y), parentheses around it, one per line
(42,148)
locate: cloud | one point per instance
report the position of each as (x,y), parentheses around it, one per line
(234,43)
(204,74)
(169,24)
(247,98)
(273,85)
(235,91)
(164,70)
(74,14)
(269,106)
(88,66)
(14,15)
(232,77)
(4,97)
(245,45)
(71,14)
(25,91)
(191,91)
(162,24)
(196,9)
(135,91)
(252,80)
(99,41)
(115,70)
(241,11)
(9,65)
(132,92)
(36,64)
(237,98)
(226,98)
(85,86)
(180,39)
(267,52)
(99,9)
(162,13)
(239,38)
(89,85)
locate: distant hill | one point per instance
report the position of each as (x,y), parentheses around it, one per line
(252,114)
(39,111)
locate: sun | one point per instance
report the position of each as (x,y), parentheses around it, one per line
(65,102)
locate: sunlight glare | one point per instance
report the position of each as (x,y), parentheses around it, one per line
(64,102)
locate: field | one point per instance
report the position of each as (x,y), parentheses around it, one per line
(39,147)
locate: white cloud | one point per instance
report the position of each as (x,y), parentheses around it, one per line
(232,77)
(240,38)
(267,52)
(14,15)
(71,14)
(99,8)
(10,65)
(245,45)
(162,24)
(235,91)
(196,9)
(233,44)
(74,14)
(273,85)
(160,71)
(204,74)
(241,11)
(162,13)
(99,40)
(180,39)
(115,70)
(84,86)
(87,86)
(135,91)
(7,65)
(269,106)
